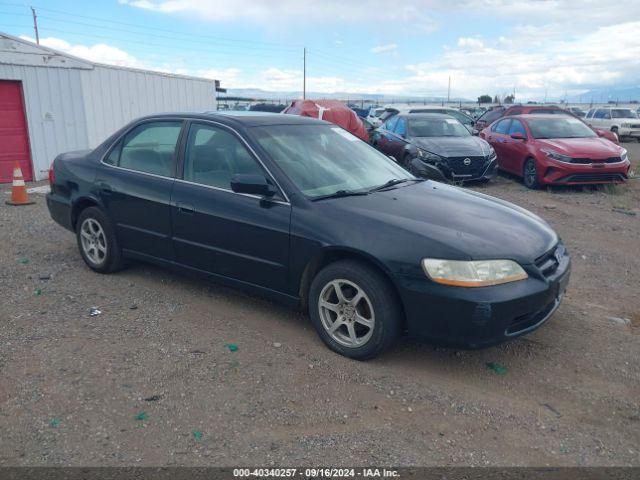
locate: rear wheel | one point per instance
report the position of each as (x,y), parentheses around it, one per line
(354,309)
(97,241)
(530,174)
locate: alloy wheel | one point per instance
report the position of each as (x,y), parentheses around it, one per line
(94,243)
(530,173)
(346,313)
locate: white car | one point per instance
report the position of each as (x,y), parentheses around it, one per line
(374,116)
(623,121)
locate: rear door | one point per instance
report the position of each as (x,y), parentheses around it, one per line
(238,236)
(134,182)
(514,151)
(497,137)
(385,136)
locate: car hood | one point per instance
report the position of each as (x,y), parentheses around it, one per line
(594,147)
(431,219)
(452,146)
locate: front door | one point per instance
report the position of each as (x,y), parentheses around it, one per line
(238,236)
(134,183)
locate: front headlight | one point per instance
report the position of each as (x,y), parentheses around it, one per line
(492,152)
(625,124)
(624,156)
(479,273)
(557,156)
(427,155)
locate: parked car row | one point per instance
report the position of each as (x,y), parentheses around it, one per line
(543,145)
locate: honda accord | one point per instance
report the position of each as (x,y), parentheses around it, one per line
(303,212)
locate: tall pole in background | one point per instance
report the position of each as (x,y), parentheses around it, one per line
(35,24)
(449,90)
(304,73)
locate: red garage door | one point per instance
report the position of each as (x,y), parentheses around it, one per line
(14,138)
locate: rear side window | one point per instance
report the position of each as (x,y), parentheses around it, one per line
(502,126)
(214,155)
(401,126)
(491,115)
(391,124)
(148,148)
(517,127)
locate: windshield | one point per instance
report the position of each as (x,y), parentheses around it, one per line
(559,128)
(323,159)
(436,127)
(622,113)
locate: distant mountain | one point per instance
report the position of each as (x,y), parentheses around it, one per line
(606,94)
(259,94)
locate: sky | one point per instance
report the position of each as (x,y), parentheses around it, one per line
(536,48)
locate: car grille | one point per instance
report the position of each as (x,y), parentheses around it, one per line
(593,177)
(635,125)
(474,169)
(550,261)
(590,160)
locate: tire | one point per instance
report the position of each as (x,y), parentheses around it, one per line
(530,174)
(378,305)
(97,241)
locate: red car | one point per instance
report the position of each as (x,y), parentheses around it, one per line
(500,111)
(555,149)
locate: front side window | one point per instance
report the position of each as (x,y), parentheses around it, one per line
(148,148)
(517,127)
(213,155)
(322,159)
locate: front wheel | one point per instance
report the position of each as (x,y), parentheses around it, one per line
(97,241)
(354,309)
(530,174)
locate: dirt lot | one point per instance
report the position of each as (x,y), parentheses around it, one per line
(151,381)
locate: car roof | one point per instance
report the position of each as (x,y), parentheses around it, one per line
(527,116)
(244,118)
(424,115)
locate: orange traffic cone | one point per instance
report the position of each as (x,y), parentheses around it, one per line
(18,189)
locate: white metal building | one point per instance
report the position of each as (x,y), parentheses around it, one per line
(51,102)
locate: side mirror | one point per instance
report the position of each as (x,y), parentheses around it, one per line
(517,136)
(599,132)
(252,184)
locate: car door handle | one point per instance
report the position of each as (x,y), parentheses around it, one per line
(105,188)
(185,208)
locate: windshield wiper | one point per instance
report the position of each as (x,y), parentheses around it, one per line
(342,193)
(395,181)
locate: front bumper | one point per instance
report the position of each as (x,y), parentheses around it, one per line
(576,174)
(480,317)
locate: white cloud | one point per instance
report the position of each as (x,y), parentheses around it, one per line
(301,11)
(99,53)
(469,42)
(391,47)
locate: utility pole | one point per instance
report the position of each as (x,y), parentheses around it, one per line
(304,73)
(449,90)
(35,24)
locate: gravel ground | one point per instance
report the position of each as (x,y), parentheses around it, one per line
(152,381)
